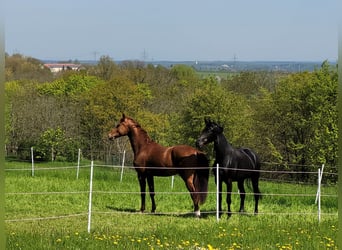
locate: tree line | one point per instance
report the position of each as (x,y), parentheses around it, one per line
(287,118)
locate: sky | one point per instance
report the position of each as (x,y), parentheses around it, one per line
(192,30)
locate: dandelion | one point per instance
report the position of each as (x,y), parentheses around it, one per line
(210,247)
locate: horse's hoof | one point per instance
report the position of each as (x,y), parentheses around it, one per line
(198,214)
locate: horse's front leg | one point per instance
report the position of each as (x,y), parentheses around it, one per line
(242,196)
(229,194)
(142,182)
(219,195)
(150,182)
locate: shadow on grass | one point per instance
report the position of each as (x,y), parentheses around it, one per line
(126,210)
(204,214)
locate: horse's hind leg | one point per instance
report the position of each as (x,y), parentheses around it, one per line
(242,196)
(188,179)
(257,194)
(150,182)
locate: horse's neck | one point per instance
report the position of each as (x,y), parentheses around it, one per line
(222,146)
(138,139)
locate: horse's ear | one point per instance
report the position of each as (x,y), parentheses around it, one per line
(207,121)
(123,116)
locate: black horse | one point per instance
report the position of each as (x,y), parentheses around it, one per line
(235,164)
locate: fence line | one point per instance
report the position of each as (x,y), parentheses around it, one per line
(157,213)
(132,168)
(90,192)
(47,218)
(28,149)
(213,212)
(46,168)
(167,193)
(48,193)
(293,164)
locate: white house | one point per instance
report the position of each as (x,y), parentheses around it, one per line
(57,67)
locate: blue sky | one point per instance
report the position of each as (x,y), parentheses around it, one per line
(200,30)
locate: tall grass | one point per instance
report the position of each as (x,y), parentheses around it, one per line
(49,211)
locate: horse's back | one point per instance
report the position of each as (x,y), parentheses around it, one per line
(156,155)
(182,152)
(152,155)
(252,156)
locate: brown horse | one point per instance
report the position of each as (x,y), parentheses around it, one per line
(152,159)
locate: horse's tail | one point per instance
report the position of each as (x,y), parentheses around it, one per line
(258,167)
(254,177)
(201,177)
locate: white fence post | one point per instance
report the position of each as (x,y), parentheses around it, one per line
(217,193)
(90,194)
(78,163)
(32,161)
(318,195)
(320,176)
(122,165)
(172,181)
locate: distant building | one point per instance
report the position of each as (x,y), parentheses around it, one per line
(58,67)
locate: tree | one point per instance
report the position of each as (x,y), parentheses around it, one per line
(298,121)
(214,102)
(249,83)
(19,67)
(105,104)
(71,84)
(51,140)
(106,68)
(33,108)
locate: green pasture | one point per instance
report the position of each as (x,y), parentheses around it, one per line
(50,211)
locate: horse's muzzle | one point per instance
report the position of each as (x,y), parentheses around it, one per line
(200,143)
(113,135)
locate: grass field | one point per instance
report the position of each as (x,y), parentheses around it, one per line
(50,211)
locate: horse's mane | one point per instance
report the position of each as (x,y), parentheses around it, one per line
(142,130)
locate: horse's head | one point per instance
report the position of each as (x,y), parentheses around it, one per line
(209,133)
(121,129)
